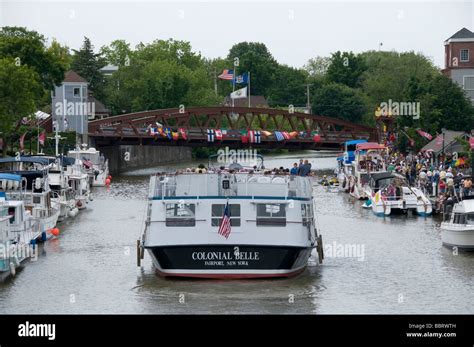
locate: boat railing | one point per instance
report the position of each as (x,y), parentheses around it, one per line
(238,184)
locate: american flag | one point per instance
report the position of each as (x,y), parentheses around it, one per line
(224,227)
(227,75)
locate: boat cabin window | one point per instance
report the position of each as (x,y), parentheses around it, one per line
(307,214)
(470,218)
(180,215)
(11,212)
(218,212)
(36,199)
(460,218)
(271,215)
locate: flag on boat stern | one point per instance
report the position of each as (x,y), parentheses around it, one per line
(224,227)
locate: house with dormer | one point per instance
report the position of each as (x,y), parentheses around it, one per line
(459,60)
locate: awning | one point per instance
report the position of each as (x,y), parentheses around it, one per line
(369,145)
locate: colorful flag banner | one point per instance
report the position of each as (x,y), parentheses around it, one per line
(254,136)
(218,134)
(316,138)
(211,135)
(279,136)
(183,133)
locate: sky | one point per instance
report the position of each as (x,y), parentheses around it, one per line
(294,32)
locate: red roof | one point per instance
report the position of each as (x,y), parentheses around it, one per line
(72,76)
(369,145)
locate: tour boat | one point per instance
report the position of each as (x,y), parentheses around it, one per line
(368,160)
(458,230)
(390,192)
(271,219)
(34,191)
(97,165)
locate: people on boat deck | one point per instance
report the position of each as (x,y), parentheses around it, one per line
(305,169)
(294,169)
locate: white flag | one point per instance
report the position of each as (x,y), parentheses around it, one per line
(239,94)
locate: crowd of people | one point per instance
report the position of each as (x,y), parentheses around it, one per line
(444,180)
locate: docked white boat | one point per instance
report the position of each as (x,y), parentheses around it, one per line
(15,246)
(97,165)
(63,196)
(458,230)
(390,193)
(34,191)
(79,181)
(369,159)
(268,219)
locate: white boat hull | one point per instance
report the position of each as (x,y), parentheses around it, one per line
(461,237)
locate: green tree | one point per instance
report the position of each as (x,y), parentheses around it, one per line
(288,87)
(20,89)
(117,53)
(254,57)
(339,101)
(346,68)
(163,74)
(29,48)
(88,64)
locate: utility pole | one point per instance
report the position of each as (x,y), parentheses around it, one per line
(308,103)
(215,80)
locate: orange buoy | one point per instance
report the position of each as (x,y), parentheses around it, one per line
(109,177)
(55,231)
(107,182)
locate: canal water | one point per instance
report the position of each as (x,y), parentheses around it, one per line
(372,265)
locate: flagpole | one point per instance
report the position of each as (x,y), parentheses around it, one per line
(38,141)
(249,87)
(233,82)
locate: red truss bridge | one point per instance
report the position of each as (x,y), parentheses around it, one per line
(191,127)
